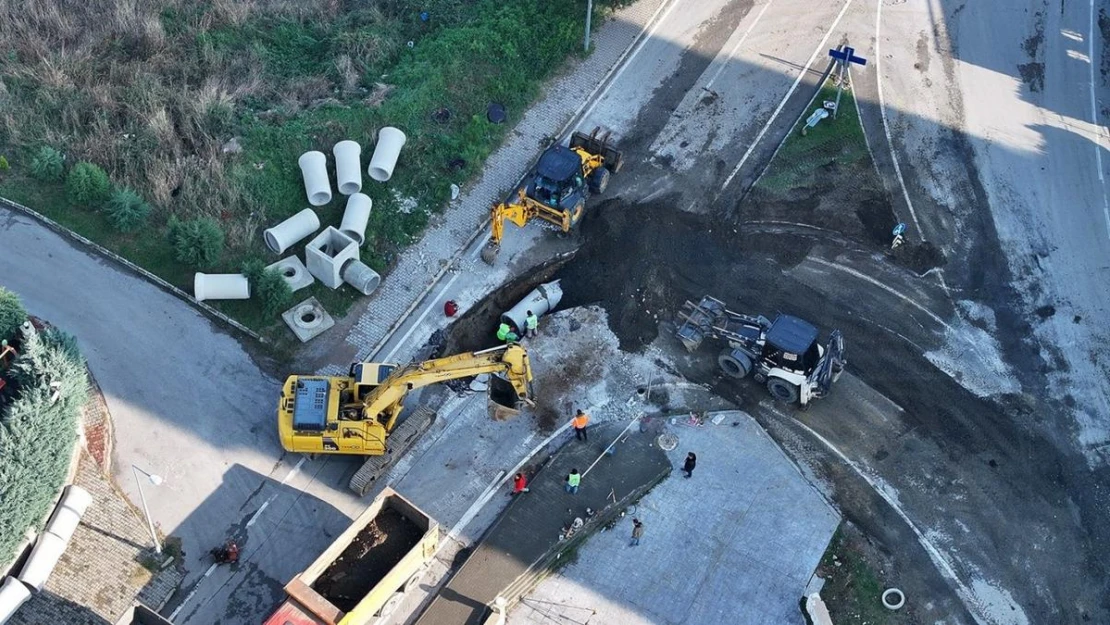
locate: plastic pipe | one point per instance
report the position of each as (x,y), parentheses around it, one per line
(348,167)
(12,595)
(314,169)
(220,286)
(540,301)
(363,278)
(44,557)
(282,236)
(390,142)
(356,216)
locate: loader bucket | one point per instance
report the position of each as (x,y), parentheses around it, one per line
(504,401)
(597,142)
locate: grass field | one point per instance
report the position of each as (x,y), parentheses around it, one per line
(153,90)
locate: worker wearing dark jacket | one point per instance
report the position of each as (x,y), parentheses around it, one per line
(688,466)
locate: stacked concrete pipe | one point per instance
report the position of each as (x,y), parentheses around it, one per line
(220,286)
(356,216)
(13,594)
(542,300)
(284,235)
(388,148)
(314,170)
(52,542)
(348,167)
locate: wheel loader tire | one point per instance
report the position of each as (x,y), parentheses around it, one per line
(577,212)
(599,180)
(783,390)
(734,363)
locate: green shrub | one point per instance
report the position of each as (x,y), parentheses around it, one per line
(126,210)
(38,431)
(198,243)
(48,164)
(268,287)
(12,314)
(88,185)
(4,166)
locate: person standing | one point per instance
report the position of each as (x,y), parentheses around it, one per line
(505,333)
(573,480)
(637,533)
(688,466)
(531,325)
(579,423)
(520,484)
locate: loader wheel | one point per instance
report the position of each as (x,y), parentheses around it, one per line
(783,390)
(577,211)
(734,364)
(599,181)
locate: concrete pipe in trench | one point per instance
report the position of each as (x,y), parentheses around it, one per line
(356,216)
(284,235)
(314,169)
(220,286)
(540,301)
(390,142)
(348,167)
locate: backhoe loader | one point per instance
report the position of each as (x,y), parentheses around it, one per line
(558,186)
(357,414)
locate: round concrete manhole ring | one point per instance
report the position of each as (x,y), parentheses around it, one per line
(307,317)
(893,599)
(667,441)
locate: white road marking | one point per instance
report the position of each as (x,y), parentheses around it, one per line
(622,64)
(793,88)
(1094,118)
(265,504)
(869,279)
(938,558)
(736,47)
(416,324)
(296,469)
(192,592)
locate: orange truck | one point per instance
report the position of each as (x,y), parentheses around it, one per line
(362,576)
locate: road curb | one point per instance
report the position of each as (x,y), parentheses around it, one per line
(150,277)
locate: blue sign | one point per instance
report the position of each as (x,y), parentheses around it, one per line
(847,55)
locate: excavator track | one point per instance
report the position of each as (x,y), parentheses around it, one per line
(400,440)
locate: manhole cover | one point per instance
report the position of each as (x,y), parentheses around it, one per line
(667,441)
(495,113)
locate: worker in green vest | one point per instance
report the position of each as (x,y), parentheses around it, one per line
(505,333)
(531,324)
(573,480)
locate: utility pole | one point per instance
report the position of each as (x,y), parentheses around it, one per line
(589,16)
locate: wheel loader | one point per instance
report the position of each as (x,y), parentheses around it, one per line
(557,187)
(784,354)
(358,414)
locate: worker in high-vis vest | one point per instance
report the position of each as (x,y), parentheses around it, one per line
(531,325)
(505,333)
(573,480)
(579,423)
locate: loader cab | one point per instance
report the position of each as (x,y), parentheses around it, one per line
(791,344)
(558,179)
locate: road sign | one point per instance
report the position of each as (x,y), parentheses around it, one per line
(847,55)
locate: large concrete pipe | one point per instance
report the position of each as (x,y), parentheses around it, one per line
(44,557)
(540,301)
(12,595)
(314,169)
(282,236)
(348,167)
(220,286)
(364,279)
(356,216)
(390,141)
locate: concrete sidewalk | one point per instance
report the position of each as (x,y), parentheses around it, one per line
(527,536)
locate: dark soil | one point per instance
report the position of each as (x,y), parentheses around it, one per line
(368,558)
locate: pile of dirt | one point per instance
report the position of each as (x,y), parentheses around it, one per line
(376,549)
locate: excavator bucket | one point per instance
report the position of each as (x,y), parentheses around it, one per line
(598,142)
(504,402)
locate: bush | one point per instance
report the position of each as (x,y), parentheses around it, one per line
(48,164)
(12,314)
(126,210)
(268,288)
(87,185)
(4,166)
(197,243)
(37,434)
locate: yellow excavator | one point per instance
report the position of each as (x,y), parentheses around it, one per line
(357,414)
(558,186)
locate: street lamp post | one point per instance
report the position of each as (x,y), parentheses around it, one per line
(589,15)
(156,480)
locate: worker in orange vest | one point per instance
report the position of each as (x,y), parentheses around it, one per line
(579,423)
